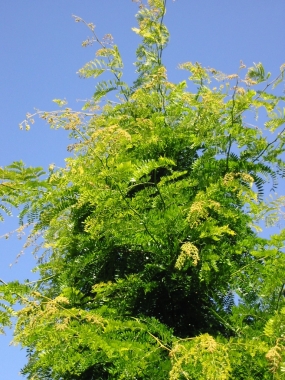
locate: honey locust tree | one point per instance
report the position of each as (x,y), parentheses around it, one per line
(151,267)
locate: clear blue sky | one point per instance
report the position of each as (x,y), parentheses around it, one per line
(41,53)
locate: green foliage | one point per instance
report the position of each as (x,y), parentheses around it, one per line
(17,183)
(149,229)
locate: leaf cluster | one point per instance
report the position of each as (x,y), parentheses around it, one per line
(149,228)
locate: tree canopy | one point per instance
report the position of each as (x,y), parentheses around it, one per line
(151,266)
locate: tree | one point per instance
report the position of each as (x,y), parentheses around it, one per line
(149,230)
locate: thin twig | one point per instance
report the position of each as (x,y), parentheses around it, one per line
(142,221)
(279,296)
(104,47)
(241,269)
(232,117)
(158,341)
(268,145)
(41,280)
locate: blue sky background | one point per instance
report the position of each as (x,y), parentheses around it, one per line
(41,52)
